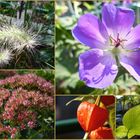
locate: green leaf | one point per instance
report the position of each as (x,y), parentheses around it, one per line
(121,132)
(131,121)
(112,119)
(62,71)
(75,99)
(131,134)
(72,81)
(88,98)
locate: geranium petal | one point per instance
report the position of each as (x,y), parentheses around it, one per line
(90,31)
(133,39)
(131,62)
(97,68)
(117,20)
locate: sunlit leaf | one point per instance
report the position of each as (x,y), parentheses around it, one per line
(121,131)
(131,121)
(112,119)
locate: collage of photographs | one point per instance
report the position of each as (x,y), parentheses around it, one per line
(70,69)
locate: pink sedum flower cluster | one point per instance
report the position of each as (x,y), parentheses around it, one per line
(18,104)
(9,129)
(4,94)
(28,80)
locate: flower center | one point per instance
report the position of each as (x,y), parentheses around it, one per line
(117,42)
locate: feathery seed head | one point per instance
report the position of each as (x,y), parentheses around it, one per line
(18,38)
(5,57)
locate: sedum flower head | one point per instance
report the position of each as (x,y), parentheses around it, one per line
(28,80)
(112,40)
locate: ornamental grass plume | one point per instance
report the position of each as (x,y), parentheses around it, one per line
(20,106)
(5,57)
(113,42)
(18,38)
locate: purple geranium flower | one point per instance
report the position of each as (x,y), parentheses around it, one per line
(111,41)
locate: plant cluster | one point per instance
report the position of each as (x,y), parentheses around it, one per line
(97,116)
(28,81)
(20,106)
(27,41)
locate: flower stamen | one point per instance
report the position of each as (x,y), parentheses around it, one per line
(117,42)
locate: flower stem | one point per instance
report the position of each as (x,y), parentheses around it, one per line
(97,102)
(86,136)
